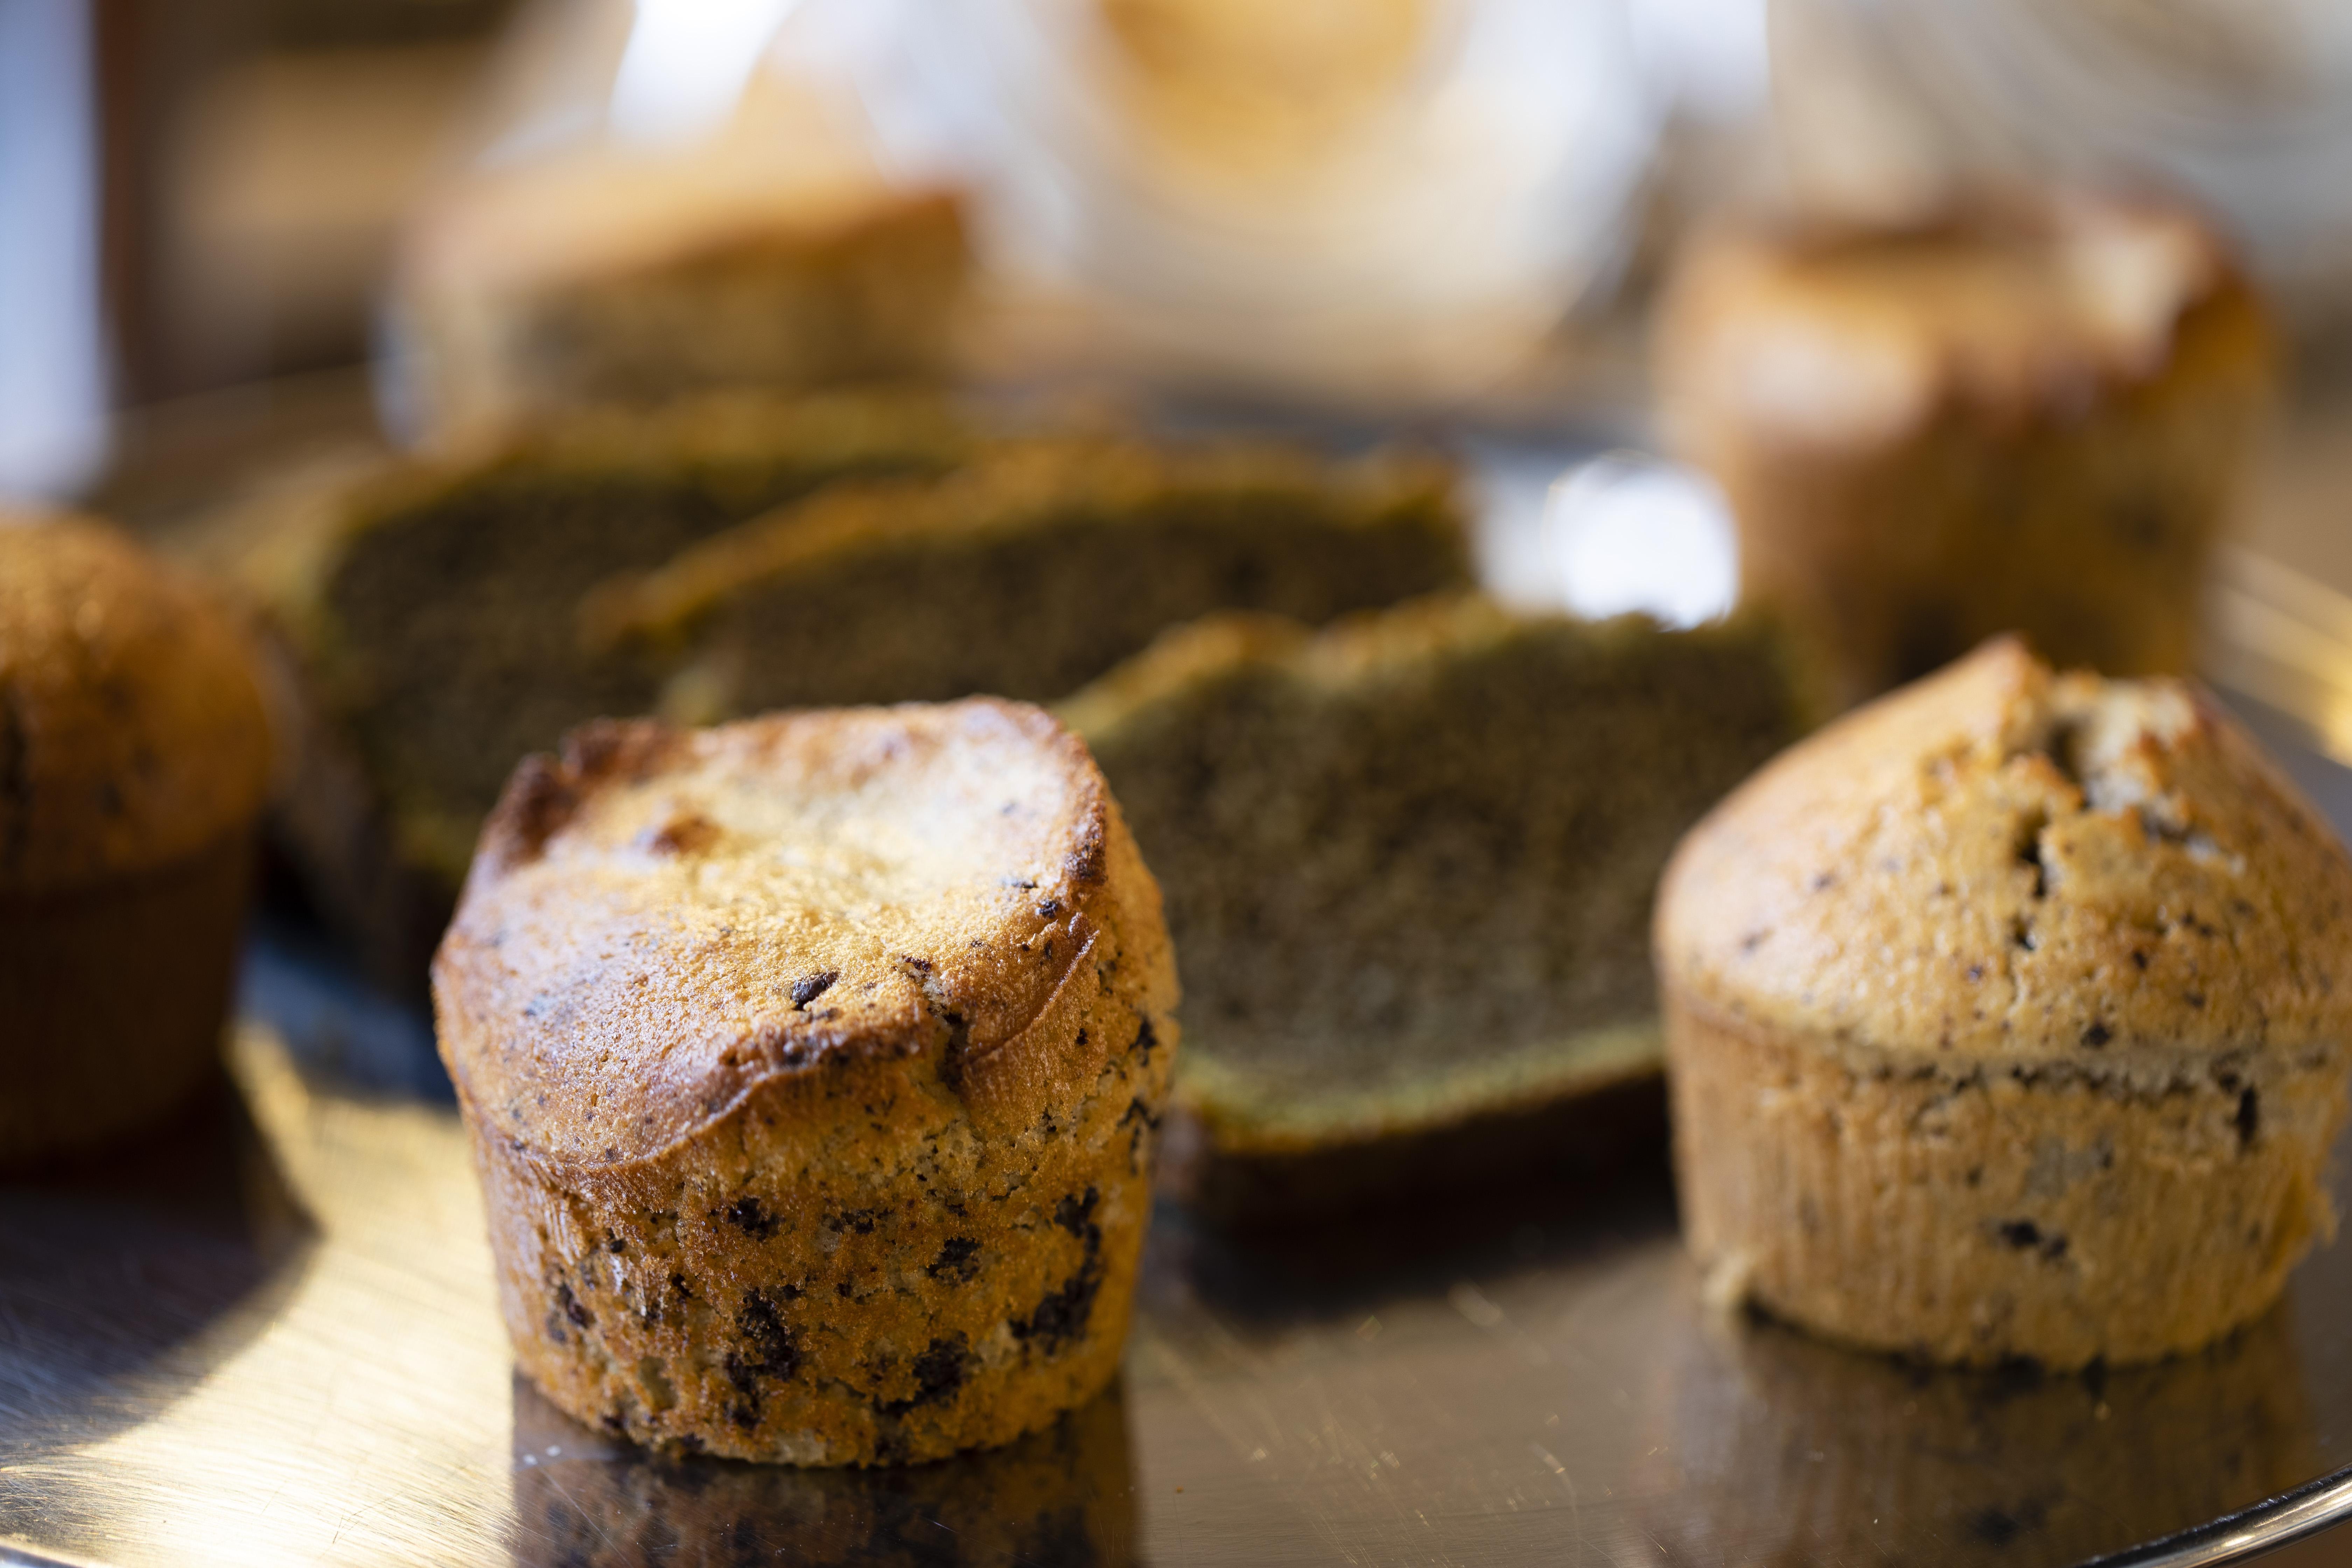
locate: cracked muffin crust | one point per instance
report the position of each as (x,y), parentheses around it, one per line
(135,755)
(2009,1017)
(812,1065)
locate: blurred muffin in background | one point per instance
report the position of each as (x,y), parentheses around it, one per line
(134,756)
(776,254)
(2028,415)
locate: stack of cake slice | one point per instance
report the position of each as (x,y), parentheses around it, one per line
(723,557)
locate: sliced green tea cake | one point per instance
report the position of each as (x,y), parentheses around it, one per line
(1409,863)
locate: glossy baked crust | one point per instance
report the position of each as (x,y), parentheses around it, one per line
(131,730)
(2030,416)
(2009,1017)
(812,1064)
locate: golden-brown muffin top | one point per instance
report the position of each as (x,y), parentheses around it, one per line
(663,919)
(132,727)
(1998,862)
(2019,309)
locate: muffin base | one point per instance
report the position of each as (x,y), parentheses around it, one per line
(113,998)
(1981,1213)
(854,1266)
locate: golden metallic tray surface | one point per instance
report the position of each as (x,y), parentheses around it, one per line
(268,1336)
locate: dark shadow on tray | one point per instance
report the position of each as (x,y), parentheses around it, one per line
(1596,1181)
(114,1261)
(1064,1496)
(1767,1446)
(340,1028)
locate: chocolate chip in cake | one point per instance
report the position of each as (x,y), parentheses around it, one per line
(956,1261)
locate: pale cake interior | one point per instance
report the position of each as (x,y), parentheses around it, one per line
(1409,864)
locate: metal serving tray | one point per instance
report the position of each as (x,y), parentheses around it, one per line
(268,1336)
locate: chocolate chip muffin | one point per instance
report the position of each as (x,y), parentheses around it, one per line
(812,1065)
(2008,1018)
(1409,861)
(134,757)
(2032,415)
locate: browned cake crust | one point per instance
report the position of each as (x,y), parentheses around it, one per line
(134,754)
(2007,1017)
(812,1065)
(2029,417)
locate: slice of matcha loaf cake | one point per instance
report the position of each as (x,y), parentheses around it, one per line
(428,617)
(1028,571)
(1409,863)
(722,558)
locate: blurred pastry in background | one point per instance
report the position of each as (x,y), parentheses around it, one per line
(449,618)
(426,618)
(1388,206)
(134,759)
(811,1065)
(776,254)
(1408,864)
(2029,414)
(1028,571)
(2006,1018)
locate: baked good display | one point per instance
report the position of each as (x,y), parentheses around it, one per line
(1408,862)
(811,1065)
(778,257)
(134,757)
(2004,1019)
(1028,570)
(452,616)
(2031,416)
(427,619)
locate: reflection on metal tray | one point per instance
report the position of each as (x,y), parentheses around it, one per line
(268,1336)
